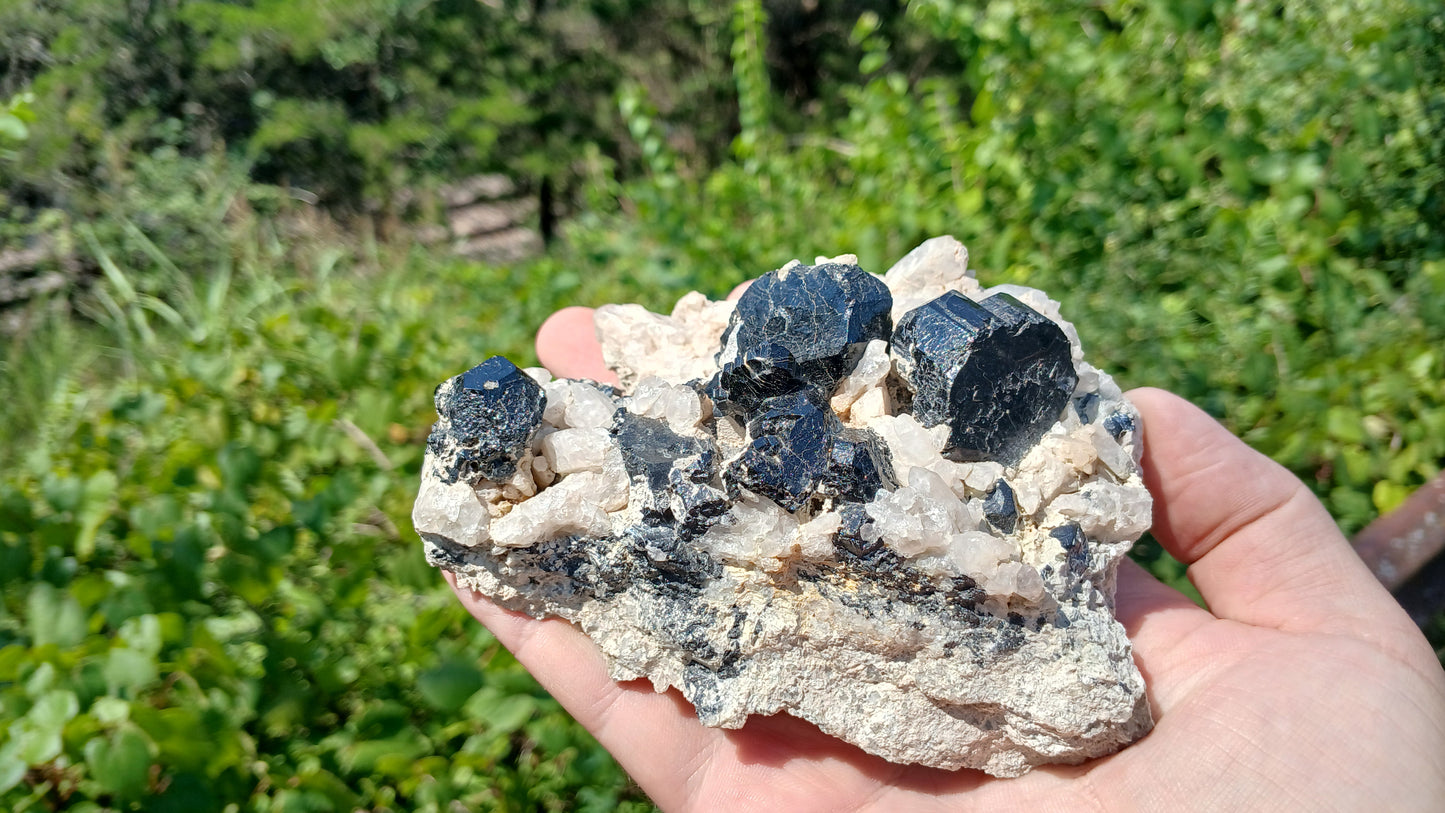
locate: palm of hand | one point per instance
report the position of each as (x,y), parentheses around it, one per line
(1304,686)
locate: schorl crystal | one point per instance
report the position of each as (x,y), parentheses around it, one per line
(659,461)
(996,372)
(763,371)
(487,417)
(789,455)
(823,315)
(901,544)
(1000,509)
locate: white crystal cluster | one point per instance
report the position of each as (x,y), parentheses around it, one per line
(911,684)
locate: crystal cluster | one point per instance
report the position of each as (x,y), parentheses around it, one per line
(893,506)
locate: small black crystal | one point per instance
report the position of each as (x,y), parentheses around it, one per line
(674,558)
(695,506)
(1118,423)
(823,315)
(1000,509)
(488,416)
(996,372)
(859,464)
(852,517)
(1071,537)
(789,454)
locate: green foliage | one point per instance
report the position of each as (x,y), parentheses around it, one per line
(210,594)
(351,103)
(15,118)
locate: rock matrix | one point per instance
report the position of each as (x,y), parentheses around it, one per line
(893,506)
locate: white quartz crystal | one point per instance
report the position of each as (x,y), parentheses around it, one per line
(869,374)
(451,509)
(681,407)
(756,532)
(937,266)
(921,518)
(573,450)
(677,348)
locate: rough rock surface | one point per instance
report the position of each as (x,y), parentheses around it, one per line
(907,535)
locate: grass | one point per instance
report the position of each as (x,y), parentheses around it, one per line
(206,539)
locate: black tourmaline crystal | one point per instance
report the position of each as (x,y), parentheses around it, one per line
(858,466)
(663,537)
(488,416)
(761,372)
(996,372)
(823,315)
(789,453)
(662,464)
(1118,423)
(1000,509)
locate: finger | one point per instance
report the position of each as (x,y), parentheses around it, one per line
(1260,547)
(738,289)
(567,345)
(655,737)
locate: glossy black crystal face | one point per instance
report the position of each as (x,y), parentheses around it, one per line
(823,315)
(668,470)
(789,453)
(996,372)
(1118,423)
(1000,508)
(763,371)
(488,417)
(859,465)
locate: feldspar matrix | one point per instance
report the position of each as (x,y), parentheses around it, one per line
(893,506)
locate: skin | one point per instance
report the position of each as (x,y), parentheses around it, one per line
(1304,686)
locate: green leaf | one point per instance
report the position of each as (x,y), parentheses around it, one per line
(54,617)
(12,766)
(447,687)
(41,680)
(126,671)
(37,734)
(12,127)
(143,634)
(387,756)
(508,714)
(1388,496)
(96,507)
(120,764)
(54,709)
(110,710)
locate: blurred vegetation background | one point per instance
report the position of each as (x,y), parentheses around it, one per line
(224,316)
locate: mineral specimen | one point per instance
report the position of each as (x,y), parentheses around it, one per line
(907,535)
(487,418)
(996,372)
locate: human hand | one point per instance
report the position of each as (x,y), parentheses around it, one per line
(1304,686)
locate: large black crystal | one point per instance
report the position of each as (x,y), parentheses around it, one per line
(790,451)
(996,372)
(488,416)
(660,462)
(823,315)
(760,372)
